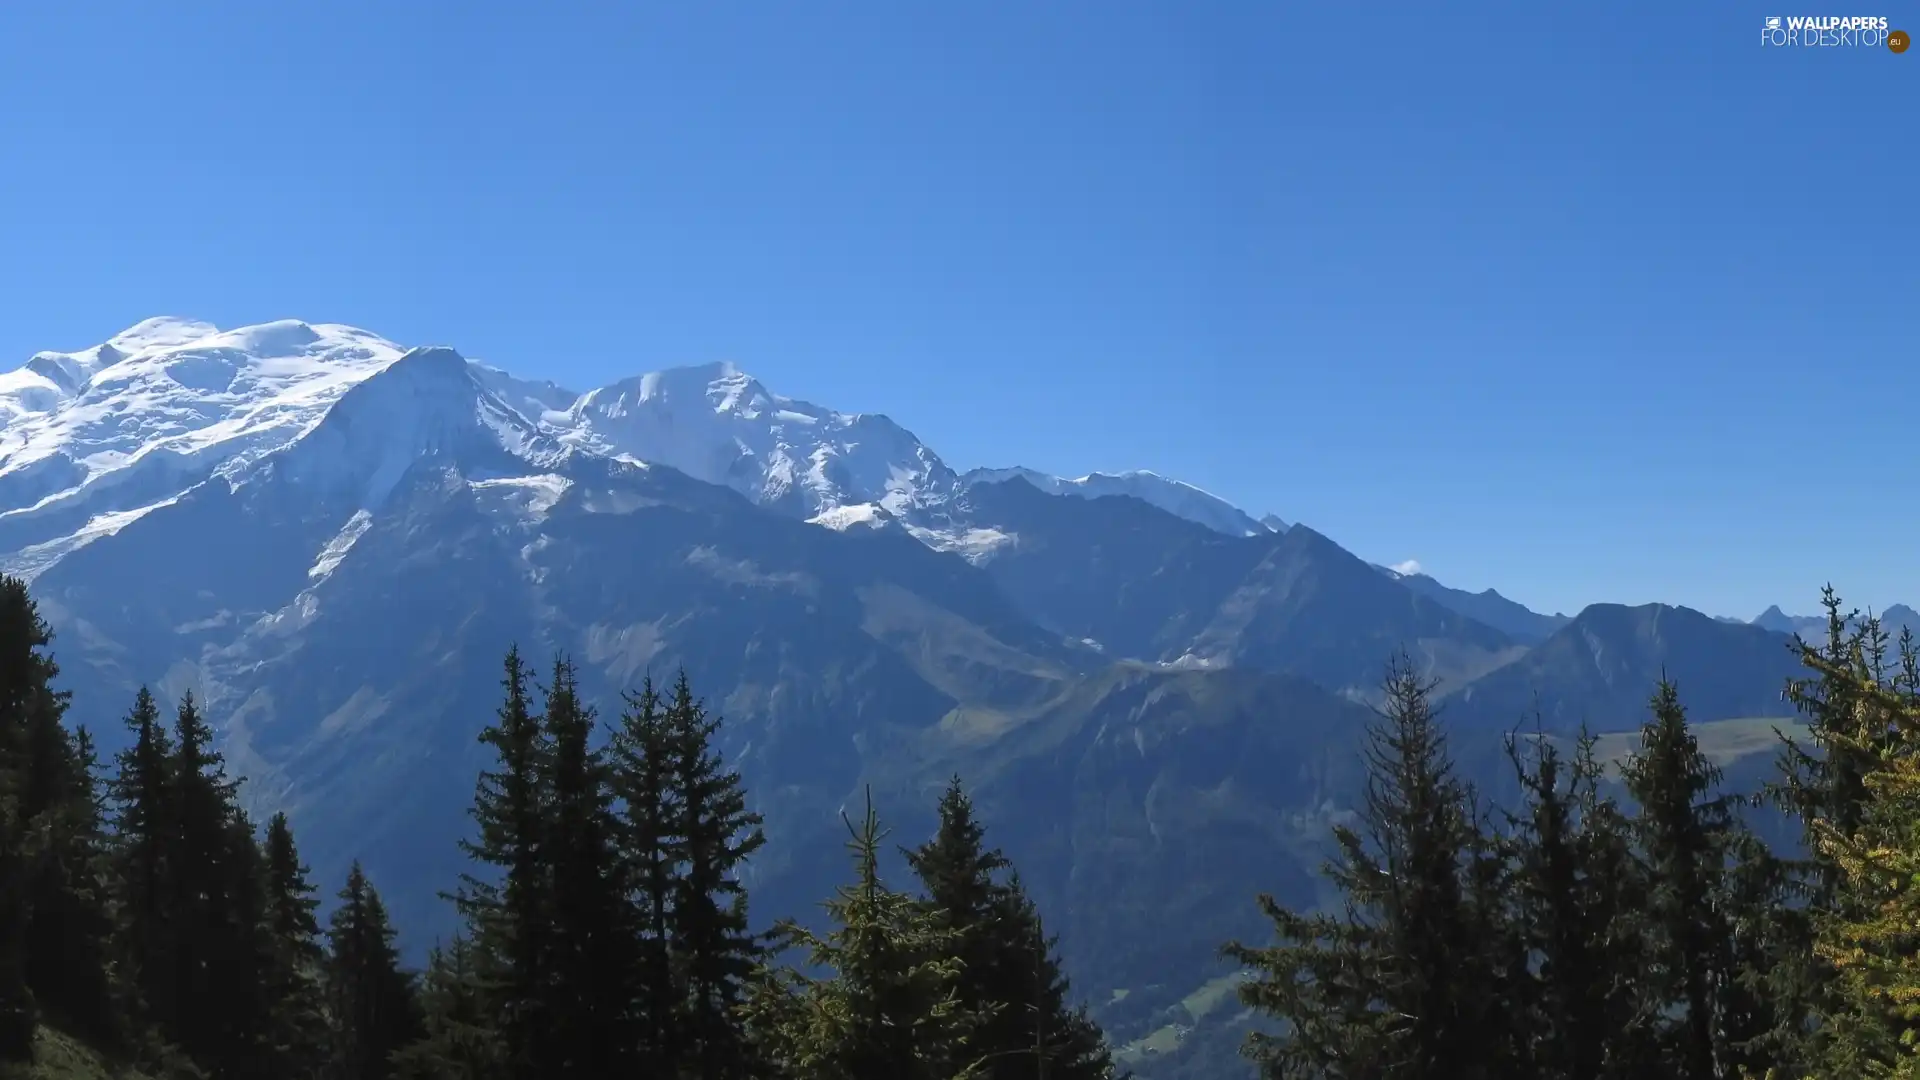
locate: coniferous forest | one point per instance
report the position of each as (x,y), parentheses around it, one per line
(1614,919)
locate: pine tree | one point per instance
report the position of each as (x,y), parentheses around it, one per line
(370,998)
(296,1030)
(242,969)
(588,991)
(508,911)
(1009,975)
(1496,942)
(1578,893)
(458,1040)
(66,964)
(889,1010)
(25,700)
(1823,783)
(714,951)
(1393,985)
(1868,936)
(18,1014)
(143,797)
(72,970)
(208,860)
(1690,840)
(648,831)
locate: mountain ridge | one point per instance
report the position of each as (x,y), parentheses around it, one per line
(79,441)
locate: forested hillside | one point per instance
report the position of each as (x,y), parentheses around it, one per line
(1620,917)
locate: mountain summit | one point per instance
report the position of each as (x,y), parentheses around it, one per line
(93,439)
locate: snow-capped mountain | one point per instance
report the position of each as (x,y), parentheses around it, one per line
(1173,496)
(92,440)
(719,424)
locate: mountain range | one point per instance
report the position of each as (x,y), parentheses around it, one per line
(1155,695)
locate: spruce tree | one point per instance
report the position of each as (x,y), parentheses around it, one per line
(296,1037)
(1578,893)
(1824,767)
(242,969)
(1009,975)
(1394,984)
(641,759)
(1871,1002)
(458,1039)
(142,794)
(507,906)
(54,916)
(25,700)
(588,988)
(1690,839)
(370,998)
(18,1014)
(66,962)
(205,874)
(71,963)
(888,1009)
(714,951)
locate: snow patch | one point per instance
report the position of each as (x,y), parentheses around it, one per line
(526,498)
(336,549)
(842,518)
(972,544)
(31,561)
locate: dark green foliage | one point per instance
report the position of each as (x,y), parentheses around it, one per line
(1009,976)
(142,794)
(370,998)
(507,905)
(54,919)
(1577,891)
(889,1008)
(1823,780)
(292,981)
(648,830)
(1685,831)
(459,1039)
(1401,982)
(215,904)
(589,964)
(18,1015)
(713,948)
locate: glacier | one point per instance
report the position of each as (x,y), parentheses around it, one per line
(94,439)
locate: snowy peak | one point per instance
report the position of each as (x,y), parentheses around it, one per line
(160,333)
(427,406)
(93,438)
(719,424)
(1175,497)
(161,406)
(726,388)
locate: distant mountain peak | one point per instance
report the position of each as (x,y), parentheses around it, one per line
(1174,496)
(722,385)
(1775,619)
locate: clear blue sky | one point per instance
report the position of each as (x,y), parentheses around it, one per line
(1582,304)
